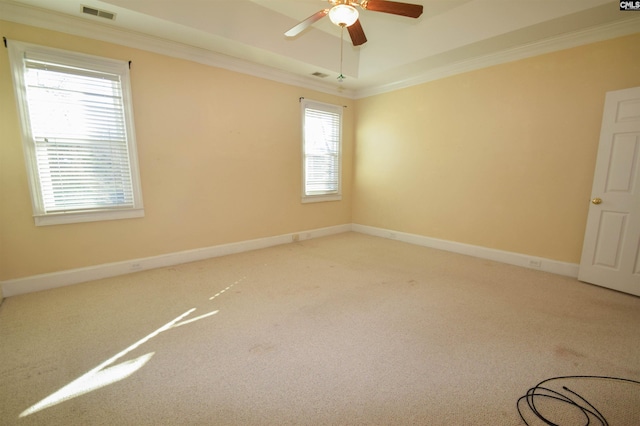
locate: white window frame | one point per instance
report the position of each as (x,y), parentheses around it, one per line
(18,52)
(328,195)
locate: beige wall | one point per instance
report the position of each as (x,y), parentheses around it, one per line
(219,162)
(501,157)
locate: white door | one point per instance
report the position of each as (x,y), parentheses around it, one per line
(611,250)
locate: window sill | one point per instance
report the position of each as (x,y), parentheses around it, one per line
(87,216)
(321,198)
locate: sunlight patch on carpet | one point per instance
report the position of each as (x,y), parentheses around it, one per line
(89,382)
(104,375)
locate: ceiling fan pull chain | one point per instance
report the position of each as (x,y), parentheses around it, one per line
(341,77)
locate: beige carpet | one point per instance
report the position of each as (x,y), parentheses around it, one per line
(344,330)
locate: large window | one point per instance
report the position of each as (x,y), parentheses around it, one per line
(321,149)
(78,135)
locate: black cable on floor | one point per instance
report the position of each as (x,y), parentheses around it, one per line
(571,398)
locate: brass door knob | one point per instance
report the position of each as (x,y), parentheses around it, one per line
(597,201)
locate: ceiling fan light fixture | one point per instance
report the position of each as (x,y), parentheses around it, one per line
(343,15)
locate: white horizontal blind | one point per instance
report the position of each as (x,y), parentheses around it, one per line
(79,130)
(322,137)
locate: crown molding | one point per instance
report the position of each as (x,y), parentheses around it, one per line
(553,44)
(55,21)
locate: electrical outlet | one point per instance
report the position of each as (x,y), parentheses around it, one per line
(535,263)
(136,266)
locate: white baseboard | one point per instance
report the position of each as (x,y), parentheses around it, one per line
(74,276)
(523,260)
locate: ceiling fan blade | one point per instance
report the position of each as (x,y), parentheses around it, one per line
(306,23)
(396,8)
(357,33)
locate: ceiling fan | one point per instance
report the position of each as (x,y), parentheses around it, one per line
(344,14)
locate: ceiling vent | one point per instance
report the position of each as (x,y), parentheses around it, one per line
(99,13)
(320,74)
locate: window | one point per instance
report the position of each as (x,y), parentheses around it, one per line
(77,134)
(321,151)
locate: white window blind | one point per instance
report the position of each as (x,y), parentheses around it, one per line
(77,134)
(322,139)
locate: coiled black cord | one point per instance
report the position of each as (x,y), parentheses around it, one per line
(571,398)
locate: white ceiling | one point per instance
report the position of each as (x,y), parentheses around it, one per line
(451,35)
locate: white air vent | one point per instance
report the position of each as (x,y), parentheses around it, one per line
(97,12)
(320,74)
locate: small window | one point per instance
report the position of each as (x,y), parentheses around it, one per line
(321,151)
(78,135)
